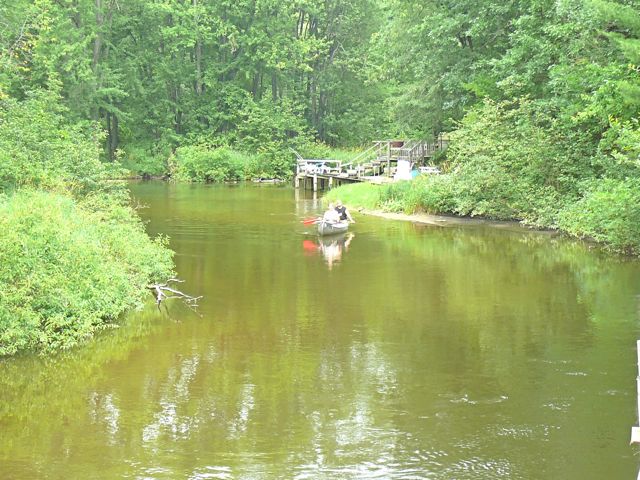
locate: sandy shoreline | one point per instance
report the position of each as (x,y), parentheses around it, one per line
(451,221)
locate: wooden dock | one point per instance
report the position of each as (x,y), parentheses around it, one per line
(378,164)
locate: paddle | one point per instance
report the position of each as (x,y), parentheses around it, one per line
(310,221)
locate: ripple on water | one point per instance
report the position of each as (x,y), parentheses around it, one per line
(514,432)
(518,432)
(477,467)
(464,399)
(561,404)
(361,471)
(216,472)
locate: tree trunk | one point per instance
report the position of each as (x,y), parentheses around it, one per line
(113,138)
(198,57)
(97,42)
(274,87)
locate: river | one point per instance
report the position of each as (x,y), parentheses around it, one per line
(400,351)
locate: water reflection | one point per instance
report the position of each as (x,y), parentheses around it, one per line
(444,353)
(331,247)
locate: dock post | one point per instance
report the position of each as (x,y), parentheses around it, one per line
(330,183)
(315,182)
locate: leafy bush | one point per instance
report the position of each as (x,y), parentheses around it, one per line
(270,129)
(431,194)
(609,212)
(267,125)
(202,164)
(74,254)
(274,162)
(68,270)
(508,161)
(392,197)
(319,150)
(141,162)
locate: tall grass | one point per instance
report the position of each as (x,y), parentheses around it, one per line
(356,195)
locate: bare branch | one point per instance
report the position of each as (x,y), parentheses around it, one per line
(18,40)
(162,291)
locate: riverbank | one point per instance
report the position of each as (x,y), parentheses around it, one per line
(614,229)
(451,221)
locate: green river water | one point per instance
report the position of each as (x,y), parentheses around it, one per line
(398,352)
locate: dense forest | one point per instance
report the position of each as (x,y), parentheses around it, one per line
(540,98)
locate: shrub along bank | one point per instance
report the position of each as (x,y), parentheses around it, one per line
(199,163)
(68,269)
(74,254)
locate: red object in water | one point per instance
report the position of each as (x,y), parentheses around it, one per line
(310,221)
(309,246)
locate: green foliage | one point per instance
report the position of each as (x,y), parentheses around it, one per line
(141,162)
(544,94)
(319,150)
(202,164)
(39,148)
(69,271)
(272,126)
(427,193)
(508,161)
(514,160)
(609,212)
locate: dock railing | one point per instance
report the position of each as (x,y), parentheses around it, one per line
(308,166)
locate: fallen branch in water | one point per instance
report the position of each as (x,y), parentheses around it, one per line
(163,292)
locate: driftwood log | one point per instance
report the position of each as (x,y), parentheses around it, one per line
(162,291)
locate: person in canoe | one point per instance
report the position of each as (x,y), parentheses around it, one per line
(343,212)
(331,215)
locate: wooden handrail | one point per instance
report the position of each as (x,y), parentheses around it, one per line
(362,154)
(298,156)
